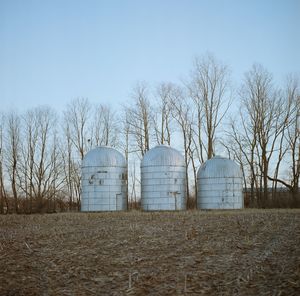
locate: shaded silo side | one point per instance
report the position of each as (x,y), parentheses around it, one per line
(163,180)
(220,185)
(103,180)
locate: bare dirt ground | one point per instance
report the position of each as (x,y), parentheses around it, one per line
(249,252)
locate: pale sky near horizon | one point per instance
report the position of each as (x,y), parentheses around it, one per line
(52,51)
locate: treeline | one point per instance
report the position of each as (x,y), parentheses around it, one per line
(256,124)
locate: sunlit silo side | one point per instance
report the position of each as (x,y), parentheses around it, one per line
(220,185)
(103,176)
(163,180)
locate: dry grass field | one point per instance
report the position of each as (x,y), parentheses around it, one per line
(249,252)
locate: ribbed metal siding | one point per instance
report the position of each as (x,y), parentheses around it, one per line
(220,185)
(104,186)
(163,180)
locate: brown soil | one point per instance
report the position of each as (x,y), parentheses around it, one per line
(249,252)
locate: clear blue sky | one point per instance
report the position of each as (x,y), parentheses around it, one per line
(52,51)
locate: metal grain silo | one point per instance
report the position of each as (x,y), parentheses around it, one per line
(163,179)
(220,185)
(103,176)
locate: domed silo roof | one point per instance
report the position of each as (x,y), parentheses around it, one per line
(219,167)
(162,155)
(104,156)
(163,180)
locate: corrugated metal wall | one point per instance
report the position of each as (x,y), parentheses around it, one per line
(104,186)
(220,185)
(163,180)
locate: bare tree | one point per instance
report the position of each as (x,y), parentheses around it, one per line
(233,145)
(76,120)
(134,180)
(266,105)
(29,147)
(291,136)
(289,108)
(209,89)
(241,143)
(69,166)
(3,199)
(124,144)
(182,114)
(162,116)
(104,127)
(44,123)
(259,133)
(38,171)
(77,134)
(139,119)
(56,172)
(13,142)
(294,146)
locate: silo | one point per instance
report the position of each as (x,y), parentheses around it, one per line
(220,185)
(163,180)
(103,180)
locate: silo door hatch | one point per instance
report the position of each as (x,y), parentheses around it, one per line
(225,204)
(174,194)
(119,201)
